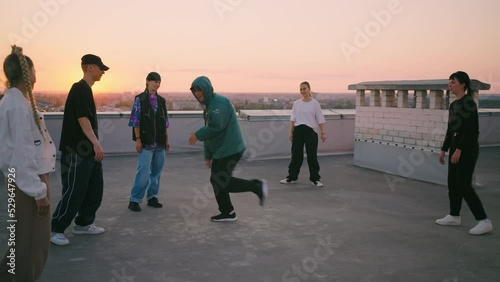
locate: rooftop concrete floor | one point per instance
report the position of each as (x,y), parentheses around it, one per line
(362,225)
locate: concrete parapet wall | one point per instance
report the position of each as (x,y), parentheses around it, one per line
(398,162)
(267,135)
(265,132)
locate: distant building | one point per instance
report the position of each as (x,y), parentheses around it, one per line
(51,100)
(184,105)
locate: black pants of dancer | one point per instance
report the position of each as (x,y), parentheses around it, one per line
(304,135)
(460,183)
(82,188)
(224,183)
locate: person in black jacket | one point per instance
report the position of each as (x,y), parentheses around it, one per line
(149,119)
(462,141)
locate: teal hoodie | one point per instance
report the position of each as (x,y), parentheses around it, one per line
(221,134)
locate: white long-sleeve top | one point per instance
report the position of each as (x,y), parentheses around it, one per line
(307,113)
(22,146)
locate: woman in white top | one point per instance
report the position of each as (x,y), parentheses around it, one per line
(306,122)
(27,155)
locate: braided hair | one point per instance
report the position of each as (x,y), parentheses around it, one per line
(17,68)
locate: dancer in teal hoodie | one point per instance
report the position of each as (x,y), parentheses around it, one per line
(223,148)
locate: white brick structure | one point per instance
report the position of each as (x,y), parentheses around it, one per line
(417,124)
(391,130)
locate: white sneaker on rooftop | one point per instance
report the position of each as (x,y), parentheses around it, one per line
(287,181)
(58,239)
(317,183)
(483,226)
(449,220)
(91,229)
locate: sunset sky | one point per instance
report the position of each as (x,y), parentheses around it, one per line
(255,45)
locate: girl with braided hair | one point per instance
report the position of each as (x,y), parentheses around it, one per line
(27,157)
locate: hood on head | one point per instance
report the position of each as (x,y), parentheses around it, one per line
(205,85)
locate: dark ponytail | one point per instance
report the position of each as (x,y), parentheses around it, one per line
(469,91)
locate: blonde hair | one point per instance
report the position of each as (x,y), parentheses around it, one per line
(25,69)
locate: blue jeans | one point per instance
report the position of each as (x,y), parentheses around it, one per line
(148,175)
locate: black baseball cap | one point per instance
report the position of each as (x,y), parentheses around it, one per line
(153,76)
(91,59)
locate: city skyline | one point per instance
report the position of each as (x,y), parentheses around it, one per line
(255,46)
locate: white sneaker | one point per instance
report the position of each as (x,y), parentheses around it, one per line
(317,184)
(58,239)
(287,181)
(449,220)
(482,227)
(89,229)
(265,190)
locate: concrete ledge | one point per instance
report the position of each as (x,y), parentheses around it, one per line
(406,162)
(430,84)
(266,132)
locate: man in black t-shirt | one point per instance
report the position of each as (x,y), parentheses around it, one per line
(81,156)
